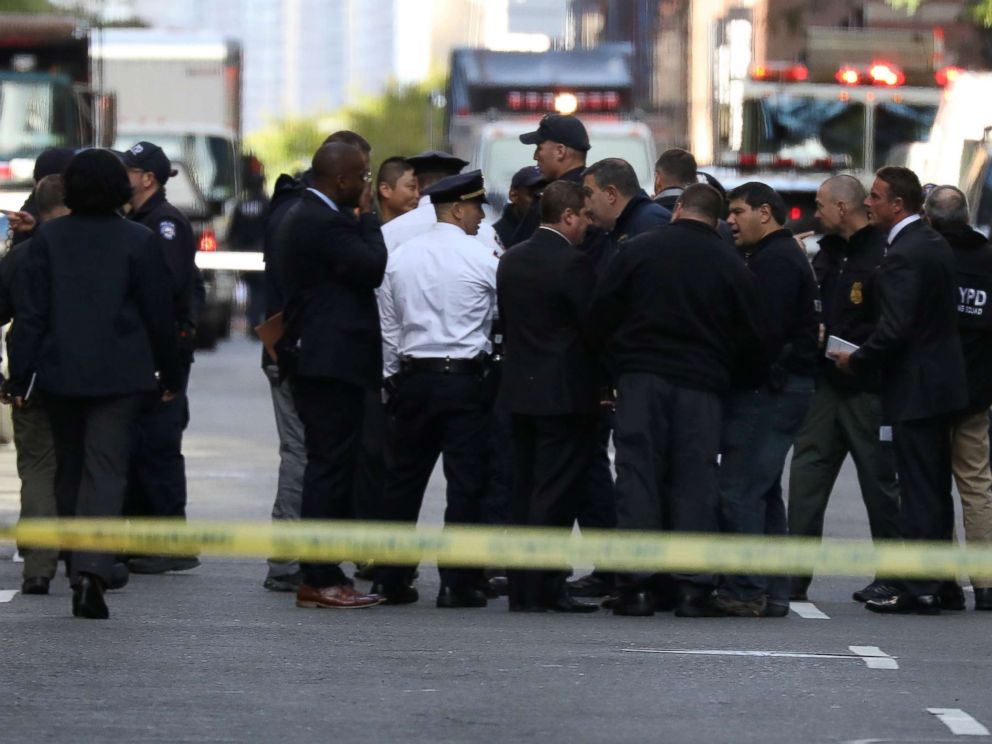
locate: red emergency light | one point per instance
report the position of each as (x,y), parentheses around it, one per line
(783,73)
(6,171)
(883,73)
(848,75)
(795,213)
(208,240)
(947,75)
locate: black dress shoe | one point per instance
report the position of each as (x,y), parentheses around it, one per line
(35,585)
(983,599)
(951,596)
(906,604)
(875,590)
(497,586)
(775,609)
(449,598)
(396,595)
(567,603)
(697,605)
(285,583)
(634,604)
(119,576)
(87,598)
(588,586)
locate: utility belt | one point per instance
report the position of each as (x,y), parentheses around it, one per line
(478,366)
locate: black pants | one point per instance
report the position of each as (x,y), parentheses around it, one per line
(157,480)
(598,507)
(667,438)
(331,412)
(552,454)
(926,507)
(436,414)
(370,474)
(93,442)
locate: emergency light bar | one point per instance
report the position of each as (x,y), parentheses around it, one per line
(773,162)
(563,102)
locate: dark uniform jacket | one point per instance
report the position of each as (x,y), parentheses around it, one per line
(916,345)
(973,264)
(507,224)
(178,245)
(845,272)
(331,266)
(96,318)
(544,287)
(285,194)
(788,293)
(640,215)
(678,302)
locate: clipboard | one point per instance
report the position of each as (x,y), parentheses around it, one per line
(269,332)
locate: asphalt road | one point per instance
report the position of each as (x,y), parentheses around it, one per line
(210,656)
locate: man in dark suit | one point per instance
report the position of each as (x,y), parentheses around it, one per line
(917,350)
(331,265)
(681,314)
(550,382)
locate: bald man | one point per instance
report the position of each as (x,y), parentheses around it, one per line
(332,263)
(845,415)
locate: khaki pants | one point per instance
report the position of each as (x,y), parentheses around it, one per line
(970,462)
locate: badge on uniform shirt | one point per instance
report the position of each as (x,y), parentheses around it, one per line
(857,297)
(167,229)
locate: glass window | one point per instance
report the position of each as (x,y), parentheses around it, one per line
(804,128)
(27,121)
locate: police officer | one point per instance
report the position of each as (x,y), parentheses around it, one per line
(436,303)
(157,484)
(524,189)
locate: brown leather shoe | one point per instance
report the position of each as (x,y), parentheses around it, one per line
(335,597)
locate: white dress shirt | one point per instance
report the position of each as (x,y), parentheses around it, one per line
(437,298)
(897,228)
(418,221)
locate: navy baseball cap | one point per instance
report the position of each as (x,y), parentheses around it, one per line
(563,128)
(529,175)
(460,187)
(149,157)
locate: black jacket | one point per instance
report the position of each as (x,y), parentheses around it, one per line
(788,294)
(597,244)
(178,245)
(915,345)
(97,317)
(679,303)
(331,266)
(845,273)
(285,194)
(640,215)
(973,268)
(507,224)
(544,286)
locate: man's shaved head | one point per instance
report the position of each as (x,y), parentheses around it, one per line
(845,188)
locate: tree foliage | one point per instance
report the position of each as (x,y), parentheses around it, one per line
(979,10)
(394,123)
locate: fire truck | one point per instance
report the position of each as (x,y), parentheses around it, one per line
(860,100)
(493,97)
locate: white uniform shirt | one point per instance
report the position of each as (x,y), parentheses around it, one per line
(437,298)
(418,221)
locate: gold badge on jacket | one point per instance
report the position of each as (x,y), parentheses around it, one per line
(857,296)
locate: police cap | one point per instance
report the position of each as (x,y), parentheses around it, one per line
(434,161)
(529,175)
(563,128)
(149,157)
(458,188)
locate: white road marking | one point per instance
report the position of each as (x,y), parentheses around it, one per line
(959,722)
(871,655)
(808,610)
(7,594)
(874,657)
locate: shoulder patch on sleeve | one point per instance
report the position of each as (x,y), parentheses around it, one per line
(167,229)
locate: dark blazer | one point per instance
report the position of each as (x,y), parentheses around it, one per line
(96,315)
(544,286)
(915,345)
(331,266)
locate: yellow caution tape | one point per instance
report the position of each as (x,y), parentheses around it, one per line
(511,548)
